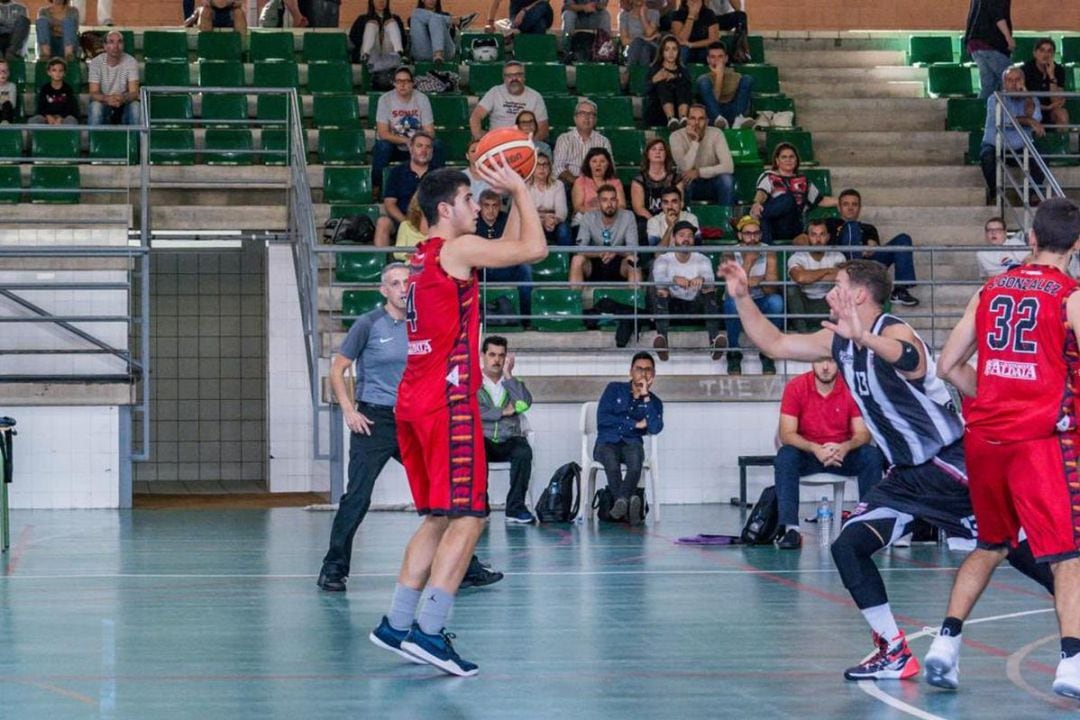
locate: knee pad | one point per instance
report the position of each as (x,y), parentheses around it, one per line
(853,554)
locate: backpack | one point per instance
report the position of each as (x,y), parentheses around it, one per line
(485,49)
(593,46)
(92,44)
(604,49)
(352,230)
(763,525)
(559,501)
(434,82)
(604,499)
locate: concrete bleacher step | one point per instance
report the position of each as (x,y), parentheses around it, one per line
(793,59)
(832,41)
(883,114)
(851,89)
(870,74)
(272,218)
(886,148)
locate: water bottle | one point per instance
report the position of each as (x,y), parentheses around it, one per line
(824,522)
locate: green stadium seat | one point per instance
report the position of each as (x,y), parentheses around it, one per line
(1072,78)
(373,107)
(971,156)
(358,267)
(129,41)
(597,79)
(171,110)
(929,49)
(489,295)
(616,112)
(325,47)
(11,144)
(336,111)
(627,145)
(272,45)
(639,78)
(536,48)
(742,142)
(341,146)
(221,74)
(172,146)
(745,181)
(626,174)
(546,78)
(766,78)
(696,70)
(450,111)
(276,75)
(54,145)
(774,103)
(949,81)
(484,76)
(560,113)
(756,43)
(372,210)
(114,146)
(75,77)
(716,217)
(965,114)
(54,184)
(823,213)
(801,139)
(355,303)
(820,177)
(17,72)
(631,297)
(1025,47)
(351,185)
(167,45)
(455,143)
(228,147)
(1070,49)
(1055,143)
(223,110)
(10,184)
(556,309)
(466,42)
(220,45)
(167,74)
(274,143)
(330,77)
(554,268)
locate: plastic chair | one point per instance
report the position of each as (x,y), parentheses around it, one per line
(742,142)
(801,139)
(536,48)
(929,49)
(949,81)
(339,111)
(55,145)
(530,437)
(171,110)
(560,113)
(552,309)
(219,110)
(54,184)
(350,185)
(616,112)
(10,184)
(820,177)
(11,143)
(341,146)
(330,77)
(627,145)
(167,45)
(597,79)
(273,46)
(358,302)
(221,74)
(838,483)
(352,267)
(449,111)
(545,78)
(650,469)
(220,46)
(484,76)
(167,74)
(228,147)
(766,78)
(325,46)
(172,147)
(968,114)
(114,147)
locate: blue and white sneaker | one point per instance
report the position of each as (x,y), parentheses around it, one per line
(437,650)
(522,518)
(388,638)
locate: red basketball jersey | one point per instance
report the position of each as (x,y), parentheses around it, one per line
(1027,356)
(442,319)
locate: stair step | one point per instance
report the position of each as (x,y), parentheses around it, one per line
(852,89)
(785,59)
(809,73)
(906,175)
(889,148)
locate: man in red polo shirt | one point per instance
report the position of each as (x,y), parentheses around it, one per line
(821,430)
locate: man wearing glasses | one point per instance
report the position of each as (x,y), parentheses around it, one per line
(400,114)
(503,103)
(572,145)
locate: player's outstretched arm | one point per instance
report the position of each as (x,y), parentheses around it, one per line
(760,329)
(953,363)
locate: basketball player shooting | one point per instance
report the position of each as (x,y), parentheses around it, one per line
(438,416)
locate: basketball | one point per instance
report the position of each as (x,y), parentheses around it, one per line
(514,144)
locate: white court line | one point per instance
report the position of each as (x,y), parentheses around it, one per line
(1013,672)
(871,687)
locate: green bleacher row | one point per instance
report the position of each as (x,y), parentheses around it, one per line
(948,48)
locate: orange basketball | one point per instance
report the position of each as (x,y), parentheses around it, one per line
(514,144)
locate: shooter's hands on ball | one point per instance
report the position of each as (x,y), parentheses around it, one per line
(500,176)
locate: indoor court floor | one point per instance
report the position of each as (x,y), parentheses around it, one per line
(213,614)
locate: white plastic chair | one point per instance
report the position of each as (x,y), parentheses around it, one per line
(650,470)
(838,482)
(496,466)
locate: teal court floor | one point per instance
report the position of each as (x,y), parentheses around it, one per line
(214,614)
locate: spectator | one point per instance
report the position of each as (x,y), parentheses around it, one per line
(685,286)
(762,277)
(430,30)
(607,227)
(585,16)
(1028,114)
(726,93)
(57,30)
(573,145)
(377,32)
(550,197)
(321,13)
(813,273)
(848,231)
(504,400)
(658,172)
(694,26)
(400,114)
(531,17)
(271,16)
(9,95)
(477,185)
(104,11)
(1042,74)
(989,40)
(995,262)
(412,229)
(728,18)
(14,29)
(221,14)
(639,30)
(626,413)
(668,92)
(783,195)
(401,185)
(660,226)
(526,123)
(114,85)
(504,102)
(490,224)
(821,430)
(704,160)
(57,103)
(597,170)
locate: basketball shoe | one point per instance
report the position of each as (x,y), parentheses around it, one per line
(388,638)
(891,662)
(1067,679)
(943,662)
(437,650)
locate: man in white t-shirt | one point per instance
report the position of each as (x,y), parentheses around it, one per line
(685,286)
(114,85)
(812,273)
(504,102)
(659,227)
(400,114)
(1010,250)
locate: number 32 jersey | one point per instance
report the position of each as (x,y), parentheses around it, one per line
(1028,358)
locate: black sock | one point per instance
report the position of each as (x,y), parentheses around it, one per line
(1070,646)
(952,626)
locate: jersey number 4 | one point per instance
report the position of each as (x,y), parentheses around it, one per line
(410,307)
(1014,322)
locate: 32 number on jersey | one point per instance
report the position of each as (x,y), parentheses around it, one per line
(410,307)
(1014,322)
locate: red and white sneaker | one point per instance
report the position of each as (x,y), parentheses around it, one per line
(892,661)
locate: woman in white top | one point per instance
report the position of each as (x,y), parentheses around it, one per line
(550,197)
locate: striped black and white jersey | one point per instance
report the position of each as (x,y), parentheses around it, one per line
(911,421)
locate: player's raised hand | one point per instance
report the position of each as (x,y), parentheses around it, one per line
(848,324)
(499,175)
(734,275)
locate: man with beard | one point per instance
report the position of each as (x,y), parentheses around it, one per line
(503,103)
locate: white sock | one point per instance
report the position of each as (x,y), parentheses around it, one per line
(881,620)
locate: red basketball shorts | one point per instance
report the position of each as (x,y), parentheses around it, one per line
(1032,484)
(443,455)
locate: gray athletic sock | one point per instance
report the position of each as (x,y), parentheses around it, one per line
(437,606)
(403,607)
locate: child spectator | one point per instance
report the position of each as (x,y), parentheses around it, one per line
(57,103)
(9,95)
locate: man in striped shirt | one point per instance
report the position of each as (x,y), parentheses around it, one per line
(572,145)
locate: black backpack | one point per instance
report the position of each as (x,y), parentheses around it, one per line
(559,501)
(763,525)
(604,499)
(352,230)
